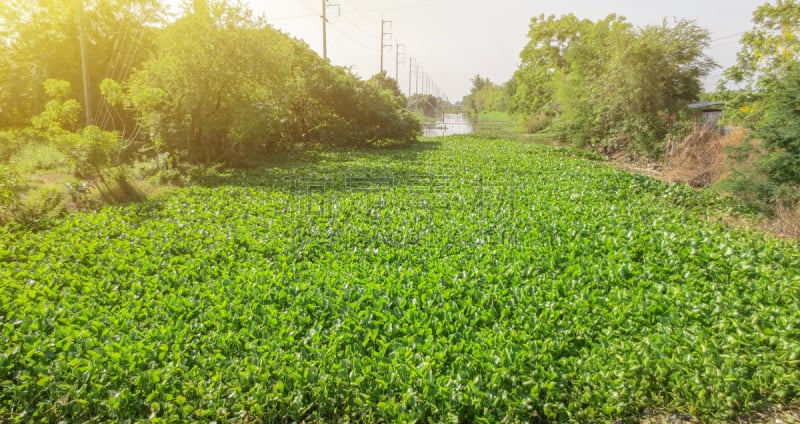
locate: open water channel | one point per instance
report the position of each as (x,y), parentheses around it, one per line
(448,124)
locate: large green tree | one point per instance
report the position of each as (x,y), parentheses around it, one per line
(608,84)
(217,85)
(768,50)
(484,96)
(224,85)
(40,40)
(768,101)
(770,47)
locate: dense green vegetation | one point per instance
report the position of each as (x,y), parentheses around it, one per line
(607,84)
(769,103)
(466,279)
(612,87)
(356,286)
(156,95)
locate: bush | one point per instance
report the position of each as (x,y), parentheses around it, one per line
(538,122)
(9,185)
(91,150)
(776,182)
(39,208)
(14,142)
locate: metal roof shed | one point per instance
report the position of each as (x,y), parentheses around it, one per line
(711,113)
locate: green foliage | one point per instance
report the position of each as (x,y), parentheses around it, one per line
(40,40)
(485,96)
(428,104)
(356,286)
(775,183)
(61,112)
(607,85)
(14,141)
(227,87)
(769,49)
(37,156)
(383,81)
(90,150)
(9,193)
(39,208)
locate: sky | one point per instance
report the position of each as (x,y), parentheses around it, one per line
(451,41)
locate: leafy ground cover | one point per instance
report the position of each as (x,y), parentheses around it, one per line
(458,280)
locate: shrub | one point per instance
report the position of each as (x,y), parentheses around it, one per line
(38,208)
(776,180)
(9,182)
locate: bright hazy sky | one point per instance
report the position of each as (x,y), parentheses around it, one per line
(452,40)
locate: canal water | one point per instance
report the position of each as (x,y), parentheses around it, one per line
(448,124)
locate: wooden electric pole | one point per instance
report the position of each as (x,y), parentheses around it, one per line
(324,16)
(397,63)
(411,64)
(87,107)
(324,29)
(383,39)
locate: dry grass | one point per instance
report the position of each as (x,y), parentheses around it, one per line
(786,223)
(774,415)
(700,160)
(707,158)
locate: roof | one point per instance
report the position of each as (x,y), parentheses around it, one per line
(706,105)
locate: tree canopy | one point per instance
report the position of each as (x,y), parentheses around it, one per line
(607,83)
(216,84)
(41,40)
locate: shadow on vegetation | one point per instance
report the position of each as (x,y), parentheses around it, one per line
(327,168)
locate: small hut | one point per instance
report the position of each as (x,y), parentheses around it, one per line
(711,113)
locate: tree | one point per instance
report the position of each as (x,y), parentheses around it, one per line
(224,86)
(384,82)
(484,96)
(768,49)
(776,182)
(606,84)
(90,149)
(39,40)
(428,104)
(625,87)
(542,58)
(217,84)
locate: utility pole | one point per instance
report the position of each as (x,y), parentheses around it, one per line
(411,64)
(383,39)
(325,7)
(397,63)
(87,107)
(324,29)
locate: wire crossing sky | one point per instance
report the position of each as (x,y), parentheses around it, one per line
(453,40)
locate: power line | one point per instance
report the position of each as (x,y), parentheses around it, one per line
(351,37)
(355,25)
(383,38)
(363,15)
(419,5)
(728,36)
(286,18)
(311,9)
(325,6)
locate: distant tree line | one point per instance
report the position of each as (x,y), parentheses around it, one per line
(613,87)
(604,84)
